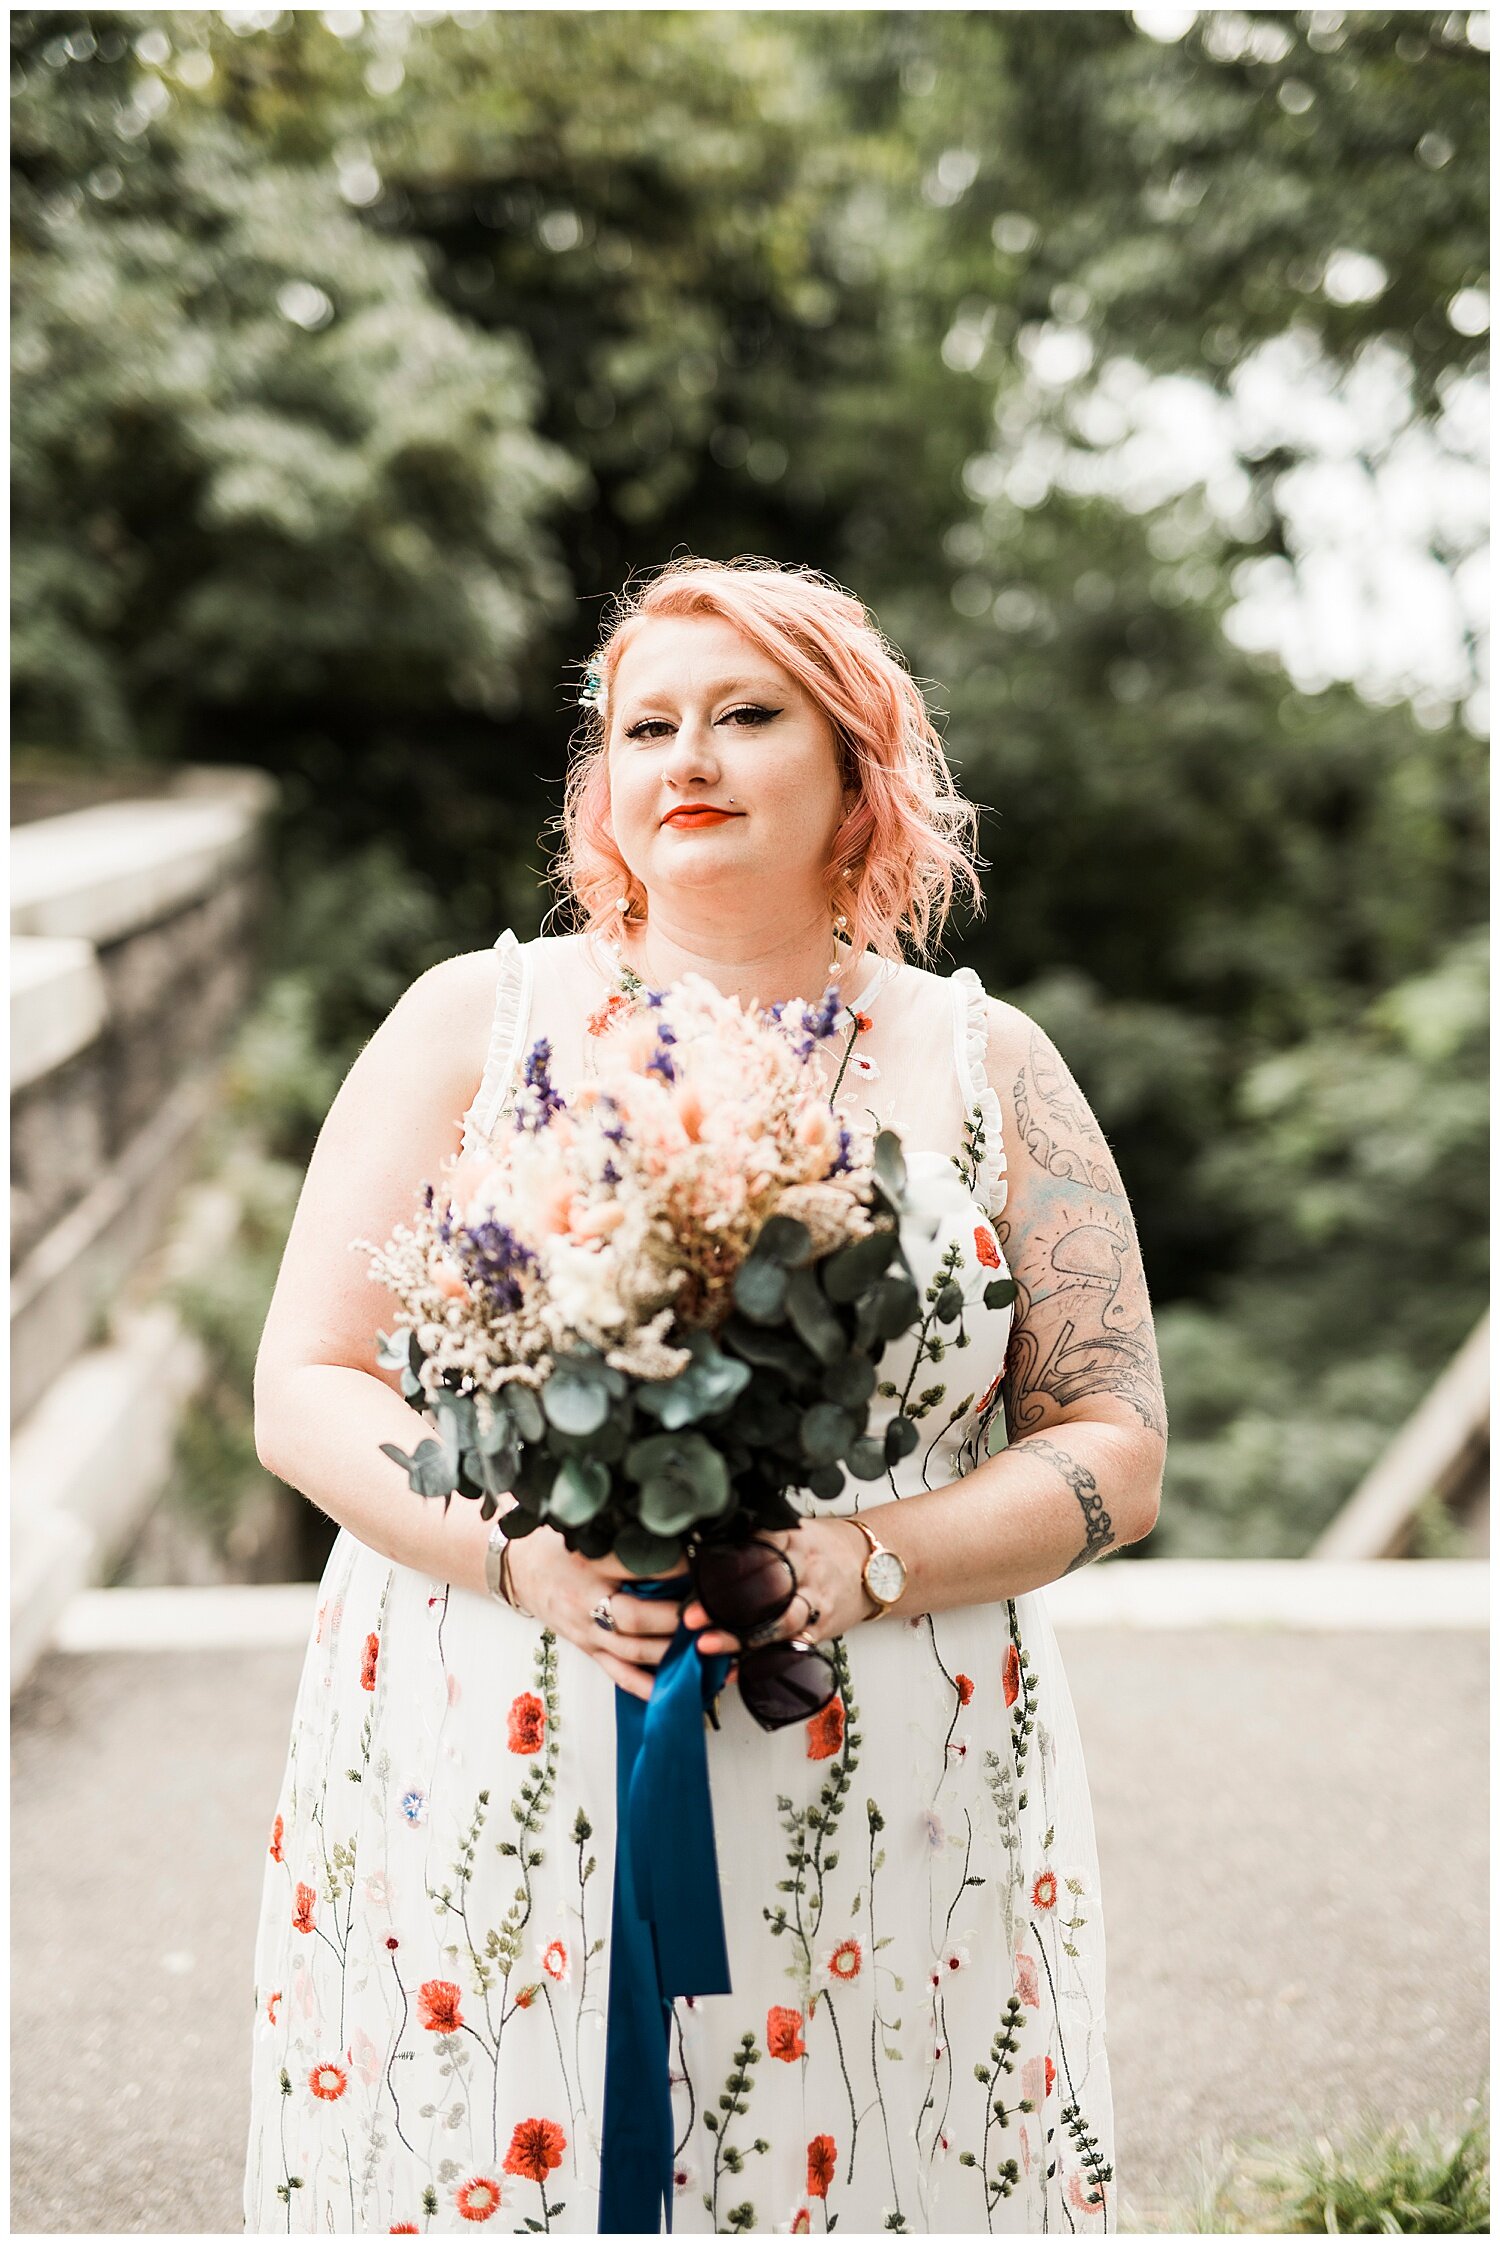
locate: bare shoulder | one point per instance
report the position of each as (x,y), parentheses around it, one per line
(445,1015)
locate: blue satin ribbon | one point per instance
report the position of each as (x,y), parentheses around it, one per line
(667,1925)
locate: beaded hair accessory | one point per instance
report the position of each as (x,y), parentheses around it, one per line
(591,692)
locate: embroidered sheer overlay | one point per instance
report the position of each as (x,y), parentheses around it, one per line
(911,1891)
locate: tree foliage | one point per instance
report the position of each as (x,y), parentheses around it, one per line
(352,374)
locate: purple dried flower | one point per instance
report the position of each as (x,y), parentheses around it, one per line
(545,1100)
(490,1253)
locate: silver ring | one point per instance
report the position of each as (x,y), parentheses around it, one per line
(604,1617)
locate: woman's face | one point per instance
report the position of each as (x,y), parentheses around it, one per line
(699,714)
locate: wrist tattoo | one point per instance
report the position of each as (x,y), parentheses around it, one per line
(1098,1530)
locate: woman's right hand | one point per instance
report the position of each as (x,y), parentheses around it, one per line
(561,1588)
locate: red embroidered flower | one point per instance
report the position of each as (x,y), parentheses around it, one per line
(845,1961)
(1044,1892)
(821,2154)
(825,1732)
(535,2148)
(477,2198)
(863,1023)
(528,1995)
(599,1020)
(802,2222)
(527,1724)
(1087,2199)
(372,1654)
(271,2002)
(784,2034)
(1011,1675)
(328,2081)
(964,1685)
(440,1999)
(555,1961)
(404,2228)
(302,1915)
(278,1833)
(1051,2076)
(1027,1985)
(985,1247)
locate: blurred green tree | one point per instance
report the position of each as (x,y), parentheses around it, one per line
(347,350)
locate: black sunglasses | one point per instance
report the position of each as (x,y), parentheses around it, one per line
(745,1588)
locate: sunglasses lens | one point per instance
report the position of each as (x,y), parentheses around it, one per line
(744,1585)
(781,1685)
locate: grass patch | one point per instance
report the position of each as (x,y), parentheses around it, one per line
(1426,2178)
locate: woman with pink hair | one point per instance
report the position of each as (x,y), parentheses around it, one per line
(915,2037)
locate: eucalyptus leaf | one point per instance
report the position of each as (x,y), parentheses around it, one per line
(901,1438)
(427,1468)
(826,1433)
(457,1424)
(949,1302)
(826,1482)
(865,1459)
(502,1430)
(760,1289)
(575,1404)
(777,1351)
(524,1408)
(812,1318)
(847,1273)
(889,1164)
(850,1381)
(711,1382)
(1000,1293)
(892,1305)
(641,1553)
(783,1238)
(580,1491)
(515,1524)
(493,1470)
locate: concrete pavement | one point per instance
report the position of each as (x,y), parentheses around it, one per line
(1292,1836)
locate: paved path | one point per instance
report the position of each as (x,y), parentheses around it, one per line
(1292,1843)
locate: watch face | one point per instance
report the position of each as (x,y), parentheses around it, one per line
(886,1576)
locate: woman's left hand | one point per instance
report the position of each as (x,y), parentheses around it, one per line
(828,1558)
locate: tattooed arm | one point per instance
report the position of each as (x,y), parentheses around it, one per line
(1085,1413)
(1082,1348)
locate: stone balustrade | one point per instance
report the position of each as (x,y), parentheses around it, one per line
(134,939)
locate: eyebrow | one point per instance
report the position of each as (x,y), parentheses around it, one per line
(721,686)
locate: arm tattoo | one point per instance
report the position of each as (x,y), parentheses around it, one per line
(1082,1322)
(1098,1532)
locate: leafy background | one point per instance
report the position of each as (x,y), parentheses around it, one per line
(359,358)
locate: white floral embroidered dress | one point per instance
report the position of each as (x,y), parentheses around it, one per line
(915,2039)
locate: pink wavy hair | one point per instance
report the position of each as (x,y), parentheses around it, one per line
(908,835)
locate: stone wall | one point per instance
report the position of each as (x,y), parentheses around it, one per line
(135,934)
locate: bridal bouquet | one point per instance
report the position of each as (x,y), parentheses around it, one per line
(653,1311)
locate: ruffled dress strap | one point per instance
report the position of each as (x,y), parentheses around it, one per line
(981,1099)
(507,1036)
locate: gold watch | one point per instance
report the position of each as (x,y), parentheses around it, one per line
(884,1573)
